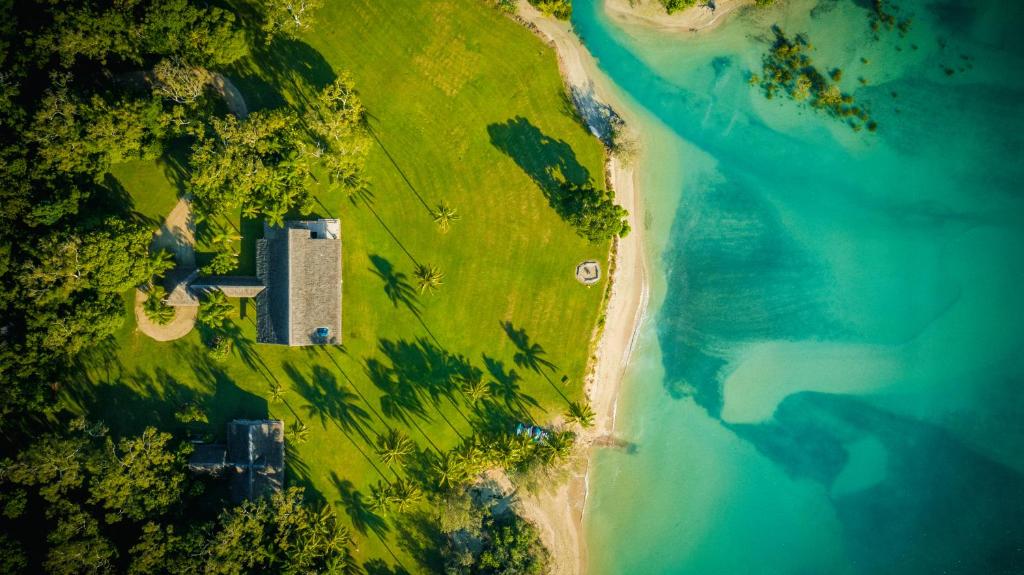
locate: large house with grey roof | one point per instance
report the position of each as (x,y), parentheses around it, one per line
(301,266)
(297,287)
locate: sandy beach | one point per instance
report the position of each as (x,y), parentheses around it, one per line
(559,513)
(652,14)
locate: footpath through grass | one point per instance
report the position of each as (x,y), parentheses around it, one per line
(466,107)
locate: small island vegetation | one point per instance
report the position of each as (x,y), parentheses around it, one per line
(788,69)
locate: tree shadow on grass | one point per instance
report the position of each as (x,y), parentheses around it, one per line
(399,402)
(396,285)
(175,164)
(329,400)
(288,71)
(401,173)
(505,388)
(528,354)
(380,567)
(144,397)
(112,198)
(363,517)
(419,536)
(531,355)
(430,372)
(550,163)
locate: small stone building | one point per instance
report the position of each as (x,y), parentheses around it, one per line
(253,458)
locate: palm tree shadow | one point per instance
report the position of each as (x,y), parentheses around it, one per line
(246,350)
(379,567)
(528,355)
(363,518)
(401,173)
(396,285)
(329,400)
(505,386)
(397,401)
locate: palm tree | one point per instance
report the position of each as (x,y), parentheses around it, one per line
(428,277)
(558,445)
(382,497)
(405,494)
(580,413)
(275,216)
(338,536)
(342,563)
(447,471)
(394,447)
(250,211)
(225,239)
(155,308)
(471,458)
(300,432)
(160,263)
(445,216)
(514,449)
(276,394)
(214,310)
(476,389)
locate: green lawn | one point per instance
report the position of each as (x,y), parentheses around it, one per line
(468,106)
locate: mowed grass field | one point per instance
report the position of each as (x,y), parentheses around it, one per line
(466,107)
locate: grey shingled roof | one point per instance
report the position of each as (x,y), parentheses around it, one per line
(256,454)
(208,457)
(303,279)
(232,286)
(314,286)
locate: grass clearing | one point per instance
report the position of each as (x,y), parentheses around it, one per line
(449,86)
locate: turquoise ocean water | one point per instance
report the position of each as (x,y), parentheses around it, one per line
(831,376)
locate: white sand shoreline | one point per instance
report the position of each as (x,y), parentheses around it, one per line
(559,513)
(651,14)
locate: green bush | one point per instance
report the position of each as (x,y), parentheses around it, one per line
(561,9)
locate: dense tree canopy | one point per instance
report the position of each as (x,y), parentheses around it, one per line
(86,85)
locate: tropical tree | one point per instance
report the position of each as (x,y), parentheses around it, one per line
(300,432)
(580,413)
(225,239)
(276,393)
(475,388)
(428,278)
(557,446)
(178,81)
(154,307)
(381,497)
(288,17)
(160,262)
(394,447)
(405,495)
(214,310)
(445,216)
(447,471)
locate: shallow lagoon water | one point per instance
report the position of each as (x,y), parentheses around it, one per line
(831,376)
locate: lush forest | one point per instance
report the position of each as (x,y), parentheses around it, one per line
(93,88)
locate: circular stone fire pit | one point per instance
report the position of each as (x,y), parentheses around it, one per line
(588,273)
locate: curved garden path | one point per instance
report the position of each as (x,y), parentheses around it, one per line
(177,234)
(183,322)
(233,98)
